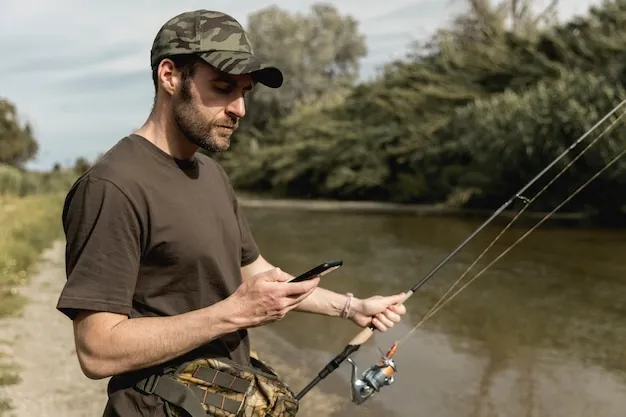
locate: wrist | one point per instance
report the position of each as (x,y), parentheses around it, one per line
(229,313)
(350,307)
(357,307)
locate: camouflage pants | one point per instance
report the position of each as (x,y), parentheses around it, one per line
(227,389)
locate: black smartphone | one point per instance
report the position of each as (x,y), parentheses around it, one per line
(319,270)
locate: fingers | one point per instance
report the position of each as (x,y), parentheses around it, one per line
(382,323)
(390,315)
(387,318)
(299,288)
(290,303)
(395,308)
(293,297)
(399,309)
(297,299)
(291,288)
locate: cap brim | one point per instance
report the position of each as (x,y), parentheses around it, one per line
(239,63)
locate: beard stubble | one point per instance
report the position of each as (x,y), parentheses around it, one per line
(207,134)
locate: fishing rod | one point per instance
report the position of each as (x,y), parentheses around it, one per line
(382,373)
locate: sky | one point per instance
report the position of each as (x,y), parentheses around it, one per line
(79,73)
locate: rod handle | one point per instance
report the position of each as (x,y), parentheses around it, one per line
(363,336)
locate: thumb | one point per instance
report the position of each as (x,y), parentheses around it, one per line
(278,275)
(395,299)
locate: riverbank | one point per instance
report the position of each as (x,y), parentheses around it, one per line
(377,207)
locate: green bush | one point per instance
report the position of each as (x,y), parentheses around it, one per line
(511,137)
(11,180)
(18,182)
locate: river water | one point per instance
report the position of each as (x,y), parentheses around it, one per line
(541,333)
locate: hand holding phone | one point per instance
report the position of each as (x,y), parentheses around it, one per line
(321,269)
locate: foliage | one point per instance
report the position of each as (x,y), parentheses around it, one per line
(18,182)
(483,18)
(81,165)
(514,136)
(315,154)
(17,144)
(27,226)
(318,52)
(465,119)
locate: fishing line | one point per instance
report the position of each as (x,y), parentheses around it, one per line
(381,374)
(522,237)
(527,202)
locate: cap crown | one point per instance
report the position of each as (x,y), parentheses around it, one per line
(199,31)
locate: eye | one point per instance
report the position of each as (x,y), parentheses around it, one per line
(224,88)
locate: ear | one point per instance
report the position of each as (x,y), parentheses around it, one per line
(168,76)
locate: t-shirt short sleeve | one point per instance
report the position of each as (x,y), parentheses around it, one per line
(249,248)
(103,250)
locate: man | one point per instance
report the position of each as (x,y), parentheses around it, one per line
(162,268)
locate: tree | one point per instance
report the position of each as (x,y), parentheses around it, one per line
(17,144)
(512,137)
(456,122)
(484,18)
(81,165)
(317,53)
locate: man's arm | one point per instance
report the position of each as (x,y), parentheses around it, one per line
(321,301)
(382,312)
(110,343)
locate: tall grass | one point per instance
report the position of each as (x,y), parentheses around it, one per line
(28,225)
(30,210)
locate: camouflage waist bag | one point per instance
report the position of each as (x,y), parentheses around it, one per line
(223,388)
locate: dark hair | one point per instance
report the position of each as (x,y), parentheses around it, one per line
(185,63)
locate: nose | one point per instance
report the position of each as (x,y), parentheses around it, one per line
(237,107)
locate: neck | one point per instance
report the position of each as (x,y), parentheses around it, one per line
(161,130)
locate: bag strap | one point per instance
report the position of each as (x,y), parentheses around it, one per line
(188,398)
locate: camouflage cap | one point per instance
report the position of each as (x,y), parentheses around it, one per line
(218,39)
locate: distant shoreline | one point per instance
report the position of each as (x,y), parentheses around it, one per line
(377,207)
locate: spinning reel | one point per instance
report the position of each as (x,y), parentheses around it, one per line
(373,378)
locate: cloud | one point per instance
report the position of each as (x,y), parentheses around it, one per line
(79,70)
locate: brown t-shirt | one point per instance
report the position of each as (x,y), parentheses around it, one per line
(149,235)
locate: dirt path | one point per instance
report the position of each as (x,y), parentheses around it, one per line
(41,343)
(52,383)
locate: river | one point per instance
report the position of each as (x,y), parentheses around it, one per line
(541,333)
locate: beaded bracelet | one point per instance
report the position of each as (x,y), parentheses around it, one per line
(346,307)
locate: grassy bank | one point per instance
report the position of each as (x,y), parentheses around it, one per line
(28,225)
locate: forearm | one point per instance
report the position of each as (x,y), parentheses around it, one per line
(325,302)
(322,301)
(138,343)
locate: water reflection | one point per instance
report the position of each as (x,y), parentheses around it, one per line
(539,334)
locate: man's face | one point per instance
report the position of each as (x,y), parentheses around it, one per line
(208,106)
